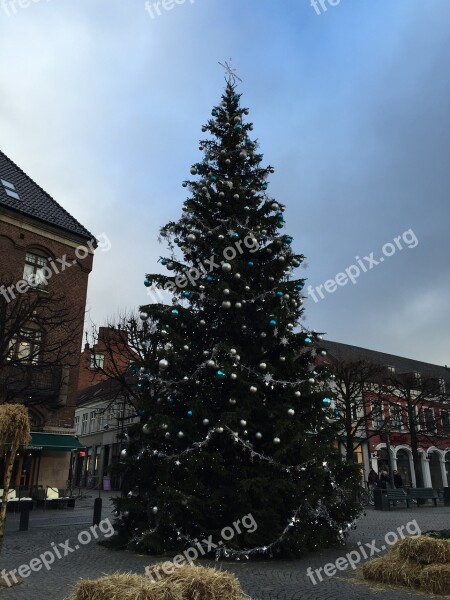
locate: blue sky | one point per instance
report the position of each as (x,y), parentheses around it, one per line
(102,105)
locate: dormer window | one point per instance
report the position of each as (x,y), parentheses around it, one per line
(10,189)
(391,370)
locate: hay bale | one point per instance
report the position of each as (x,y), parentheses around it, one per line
(124,587)
(184,583)
(393,570)
(435,579)
(198,583)
(424,549)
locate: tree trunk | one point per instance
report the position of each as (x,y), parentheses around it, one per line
(415,446)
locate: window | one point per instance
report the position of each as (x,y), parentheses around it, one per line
(77,423)
(442,385)
(92,423)
(84,421)
(391,370)
(430,424)
(377,414)
(33,270)
(397,417)
(10,189)
(445,417)
(100,421)
(97,361)
(26,346)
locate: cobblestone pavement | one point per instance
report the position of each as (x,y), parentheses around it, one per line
(266,580)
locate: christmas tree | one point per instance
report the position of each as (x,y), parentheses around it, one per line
(235,411)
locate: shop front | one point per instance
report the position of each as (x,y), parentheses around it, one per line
(45,461)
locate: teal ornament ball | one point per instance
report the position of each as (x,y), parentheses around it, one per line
(238,127)
(251,263)
(280,294)
(164,261)
(273,322)
(299,286)
(210,278)
(288,239)
(190,413)
(175,312)
(308,340)
(220,375)
(187,294)
(147,282)
(326,401)
(234,236)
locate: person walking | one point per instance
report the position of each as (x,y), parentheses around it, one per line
(372,479)
(384,478)
(398,481)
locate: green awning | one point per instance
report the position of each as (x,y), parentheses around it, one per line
(53,442)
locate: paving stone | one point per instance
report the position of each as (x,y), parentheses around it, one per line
(263,580)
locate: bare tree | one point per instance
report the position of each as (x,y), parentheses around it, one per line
(36,345)
(126,342)
(353,381)
(409,396)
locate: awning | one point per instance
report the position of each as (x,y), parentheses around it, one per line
(53,442)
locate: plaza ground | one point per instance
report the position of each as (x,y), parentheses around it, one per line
(264,580)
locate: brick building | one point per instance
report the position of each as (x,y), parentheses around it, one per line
(104,409)
(45,260)
(387,431)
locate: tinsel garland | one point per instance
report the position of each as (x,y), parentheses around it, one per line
(237,439)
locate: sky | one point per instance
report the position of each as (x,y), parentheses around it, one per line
(102,104)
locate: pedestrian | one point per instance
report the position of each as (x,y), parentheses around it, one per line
(372,479)
(398,481)
(384,478)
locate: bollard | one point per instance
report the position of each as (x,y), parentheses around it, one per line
(24,508)
(97,511)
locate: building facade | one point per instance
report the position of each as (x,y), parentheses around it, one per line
(45,260)
(415,402)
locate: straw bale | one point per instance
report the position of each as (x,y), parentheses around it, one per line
(124,586)
(199,583)
(435,579)
(424,549)
(393,571)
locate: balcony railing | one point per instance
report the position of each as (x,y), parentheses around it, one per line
(31,380)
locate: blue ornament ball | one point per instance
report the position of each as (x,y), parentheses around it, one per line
(308,340)
(280,294)
(273,322)
(187,294)
(251,263)
(326,401)
(175,312)
(147,282)
(220,375)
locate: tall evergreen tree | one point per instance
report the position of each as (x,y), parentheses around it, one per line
(241,420)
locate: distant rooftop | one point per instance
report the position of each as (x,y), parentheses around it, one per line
(401,364)
(21,194)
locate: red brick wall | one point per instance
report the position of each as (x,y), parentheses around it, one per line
(116,357)
(71,283)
